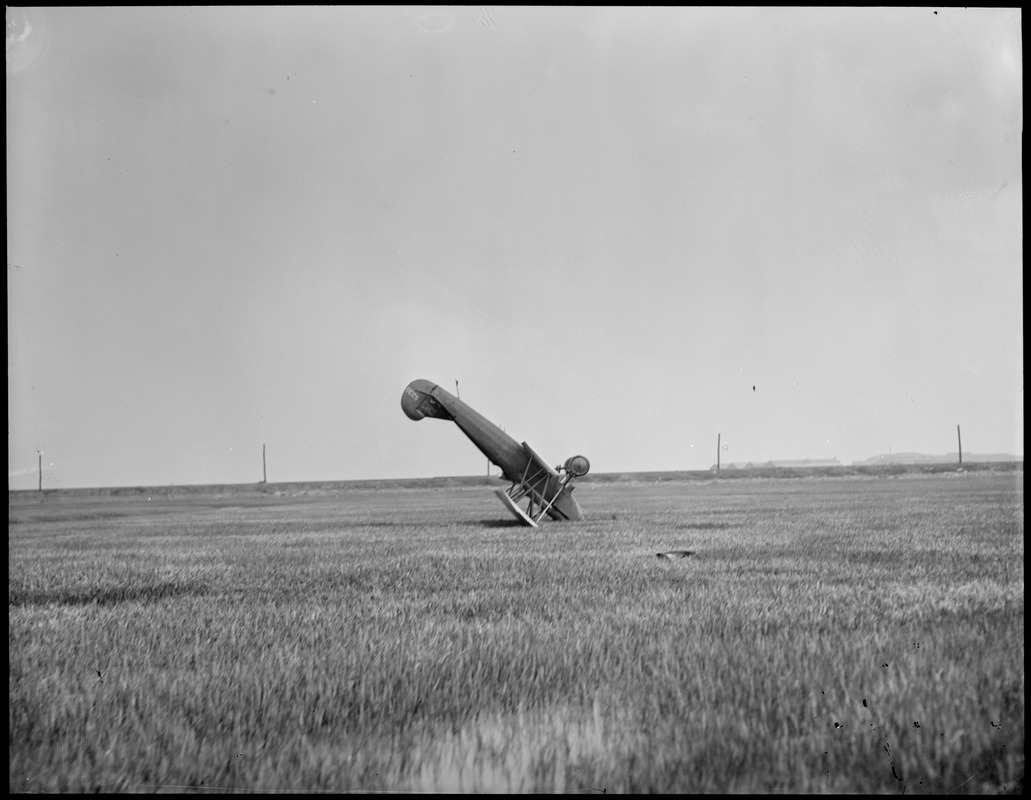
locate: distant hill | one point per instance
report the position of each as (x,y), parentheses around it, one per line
(921,458)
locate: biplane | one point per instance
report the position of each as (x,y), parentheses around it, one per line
(545,489)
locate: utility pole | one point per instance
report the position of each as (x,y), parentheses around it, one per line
(959,440)
(264,474)
(40,469)
(717,452)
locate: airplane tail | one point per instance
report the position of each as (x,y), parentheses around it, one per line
(417,401)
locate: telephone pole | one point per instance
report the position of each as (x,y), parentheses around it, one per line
(717,452)
(959,440)
(264,474)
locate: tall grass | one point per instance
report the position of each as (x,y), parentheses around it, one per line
(851,634)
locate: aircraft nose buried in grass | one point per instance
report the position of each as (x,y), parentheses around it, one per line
(548,490)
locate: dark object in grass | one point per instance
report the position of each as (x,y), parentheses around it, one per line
(675,554)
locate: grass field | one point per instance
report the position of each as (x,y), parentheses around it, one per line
(853,634)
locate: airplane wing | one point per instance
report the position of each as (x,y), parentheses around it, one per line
(546,480)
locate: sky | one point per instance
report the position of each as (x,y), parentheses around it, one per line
(623,232)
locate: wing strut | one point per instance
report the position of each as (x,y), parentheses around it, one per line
(541,486)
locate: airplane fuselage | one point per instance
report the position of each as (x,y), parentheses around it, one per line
(494,443)
(518,462)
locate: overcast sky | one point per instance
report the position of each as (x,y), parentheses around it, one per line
(622,231)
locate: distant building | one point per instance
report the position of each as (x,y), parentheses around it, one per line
(805,462)
(802,463)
